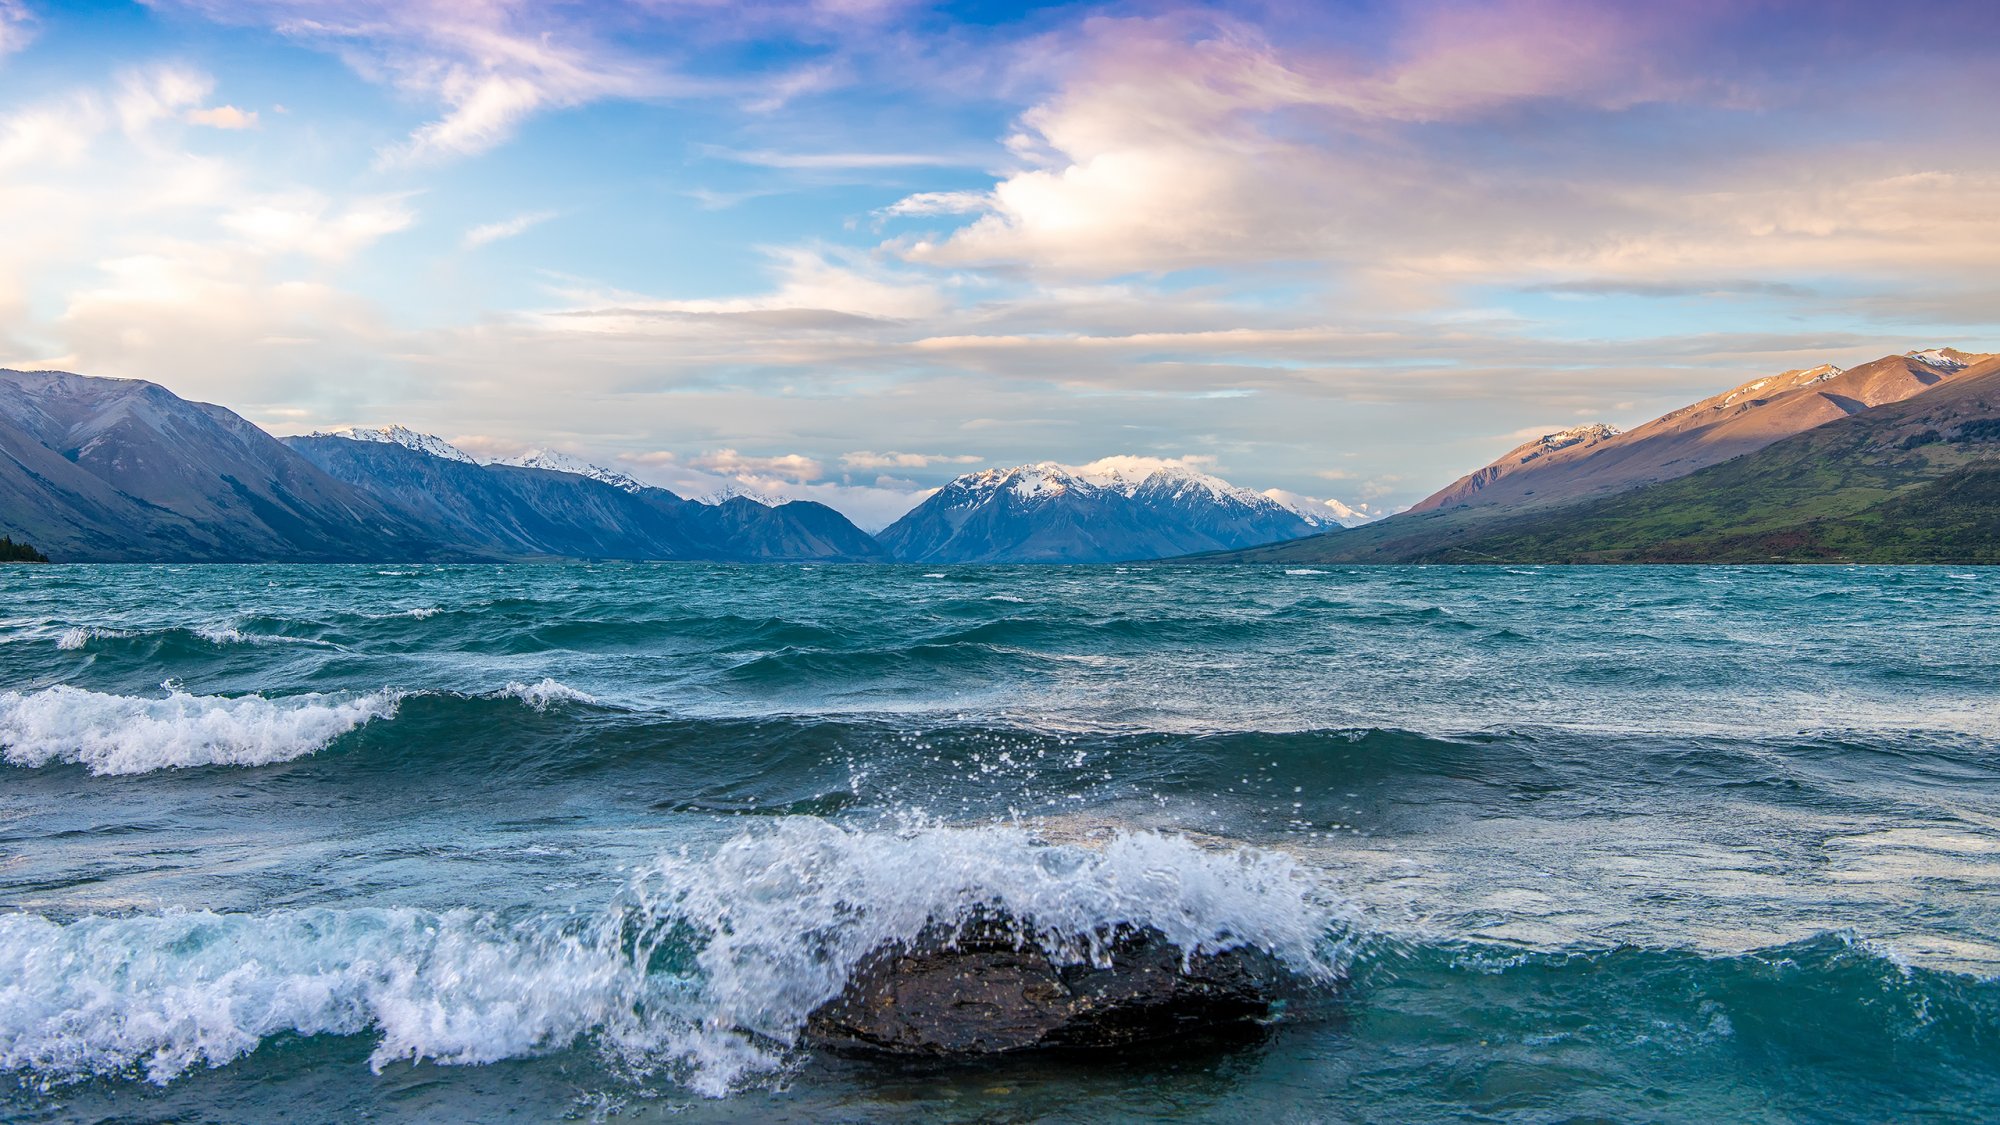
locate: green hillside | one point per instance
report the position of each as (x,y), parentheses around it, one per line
(1914,481)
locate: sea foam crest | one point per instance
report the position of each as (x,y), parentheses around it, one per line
(120,734)
(788,913)
(78,637)
(775,921)
(545,694)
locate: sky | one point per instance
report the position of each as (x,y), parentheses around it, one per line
(849,249)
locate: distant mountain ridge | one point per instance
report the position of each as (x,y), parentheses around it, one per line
(1115,510)
(122,470)
(557,461)
(546,504)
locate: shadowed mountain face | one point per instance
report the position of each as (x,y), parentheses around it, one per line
(798,530)
(1911,481)
(510,511)
(1599,461)
(118,470)
(1053,514)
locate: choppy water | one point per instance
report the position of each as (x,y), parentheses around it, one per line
(463,843)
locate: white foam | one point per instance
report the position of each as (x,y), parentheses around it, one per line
(78,637)
(231,635)
(119,734)
(780,917)
(1304,571)
(542,695)
(789,912)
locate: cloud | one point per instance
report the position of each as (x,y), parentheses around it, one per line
(487,233)
(306,222)
(785,466)
(223,117)
(489,65)
(1136,466)
(864,460)
(816,286)
(1185,141)
(939,203)
(17,26)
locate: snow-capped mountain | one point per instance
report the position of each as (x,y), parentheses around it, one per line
(1326,513)
(733,490)
(403,436)
(1944,359)
(556,461)
(1116,509)
(543,507)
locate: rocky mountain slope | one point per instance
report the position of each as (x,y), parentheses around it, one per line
(1599,460)
(576,511)
(108,470)
(1116,510)
(1915,480)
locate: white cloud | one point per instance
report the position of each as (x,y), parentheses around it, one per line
(810,280)
(865,460)
(305,222)
(160,93)
(17,26)
(784,466)
(487,233)
(939,203)
(223,117)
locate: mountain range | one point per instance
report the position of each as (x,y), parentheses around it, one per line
(1115,510)
(112,470)
(1896,460)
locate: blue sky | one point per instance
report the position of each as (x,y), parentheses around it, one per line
(849,249)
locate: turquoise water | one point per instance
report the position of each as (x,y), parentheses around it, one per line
(426,843)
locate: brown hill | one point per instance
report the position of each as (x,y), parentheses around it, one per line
(1916,481)
(1598,461)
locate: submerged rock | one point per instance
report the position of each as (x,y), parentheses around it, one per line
(981,988)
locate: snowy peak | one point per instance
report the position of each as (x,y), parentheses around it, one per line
(1321,513)
(1576,435)
(730,492)
(1114,509)
(403,436)
(1943,359)
(556,461)
(1131,477)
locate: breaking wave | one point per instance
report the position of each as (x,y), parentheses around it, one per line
(541,696)
(120,734)
(704,967)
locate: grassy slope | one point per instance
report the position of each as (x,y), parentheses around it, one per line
(1881,486)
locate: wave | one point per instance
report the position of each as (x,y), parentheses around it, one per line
(542,695)
(119,734)
(705,966)
(78,637)
(164,642)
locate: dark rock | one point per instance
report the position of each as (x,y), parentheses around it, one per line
(981,989)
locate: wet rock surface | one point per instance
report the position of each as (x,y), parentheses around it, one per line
(980,989)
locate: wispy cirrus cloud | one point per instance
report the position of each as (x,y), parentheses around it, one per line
(223,117)
(17,26)
(487,233)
